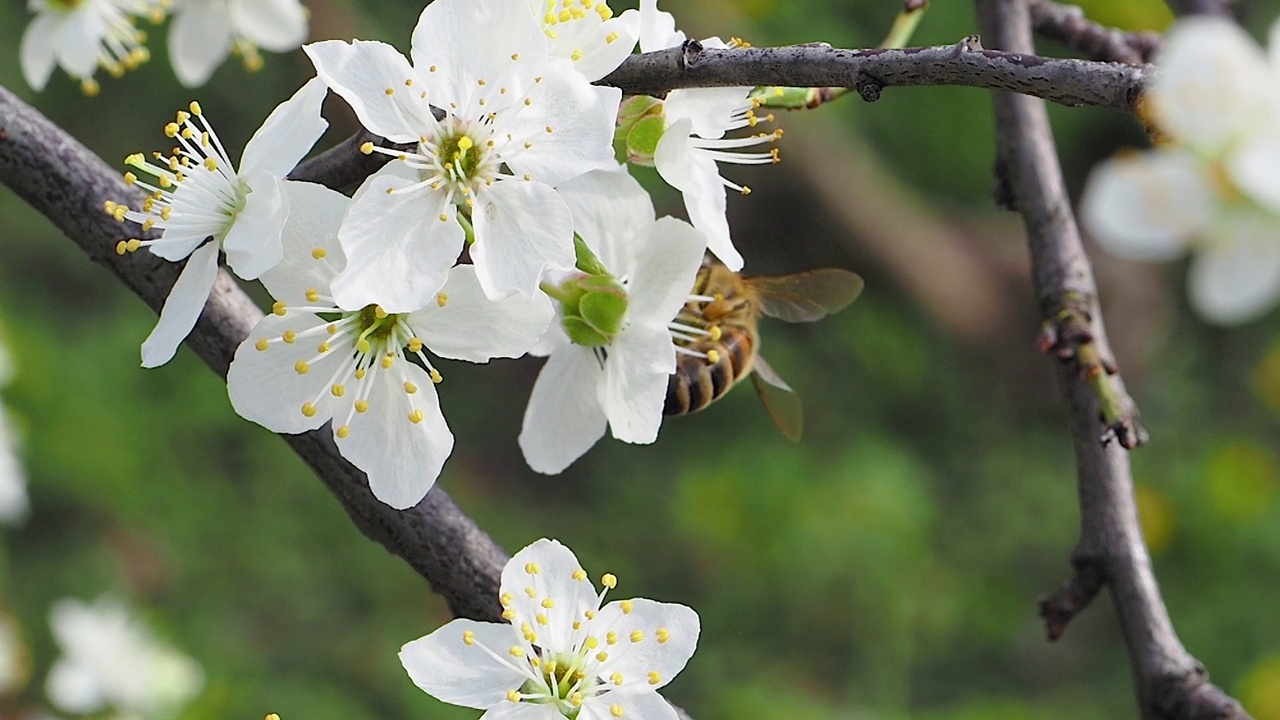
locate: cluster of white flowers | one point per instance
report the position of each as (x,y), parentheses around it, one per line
(83,35)
(506,227)
(1212,182)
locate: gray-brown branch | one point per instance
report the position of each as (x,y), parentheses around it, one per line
(1068,25)
(1171,685)
(1068,82)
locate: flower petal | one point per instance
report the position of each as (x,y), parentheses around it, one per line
(450,670)
(1235,277)
(1147,206)
(522,228)
(522,711)
(657,28)
(277,25)
(470,326)
(668,255)
(288,133)
(265,386)
(557,580)
(600,45)
(633,703)
(315,213)
(253,242)
(695,175)
(362,72)
(564,417)
(36,51)
(637,655)
(199,40)
(183,306)
(515,50)
(74,688)
(1252,167)
(402,458)
(710,110)
(608,207)
(397,247)
(14,503)
(78,41)
(1207,92)
(640,361)
(581,117)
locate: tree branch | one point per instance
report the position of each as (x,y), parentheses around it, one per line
(1068,25)
(1171,685)
(1068,82)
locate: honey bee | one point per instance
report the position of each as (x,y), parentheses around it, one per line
(717,343)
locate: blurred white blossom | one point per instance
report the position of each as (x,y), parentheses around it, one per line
(13,482)
(1211,184)
(110,660)
(564,654)
(205,32)
(83,35)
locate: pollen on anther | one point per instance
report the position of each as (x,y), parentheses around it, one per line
(609,580)
(342,432)
(531,593)
(508,614)
(442,299)
(616,678)
(289,336)
(386,361)
(516,651)
(308,409)
(261,345)
(301,367)
(715,331)
(654,677)
(627,607)
(513,696)
(278,307)
(468,637)
(611,638)
(713,357)
(313,295)
(415,344)
(362,406)
(323,347)
(580,575)
(319,254)
(410,388)
(416,416)
(637,636)
(663,635)
(602,656)
(436,377)
(548,603)
(338,390)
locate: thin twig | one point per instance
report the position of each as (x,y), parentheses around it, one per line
(1068,82)
(1171,685)
(1068,25)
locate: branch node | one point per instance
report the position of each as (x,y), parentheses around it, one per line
(867,87)
(1073,596)
(690,52)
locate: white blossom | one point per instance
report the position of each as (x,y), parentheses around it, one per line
(694,141)
(515,123)
(14,504)
(312,360)
(205,32)
(204,204)
(1212,182)
(564,654)
(83,35)
(586,32)
(621,383)
(111,660)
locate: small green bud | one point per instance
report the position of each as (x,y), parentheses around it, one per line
(643,137)
(593,308)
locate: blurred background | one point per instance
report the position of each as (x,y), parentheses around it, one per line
(885,567)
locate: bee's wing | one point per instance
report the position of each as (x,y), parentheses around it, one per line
(806,296)
(780,401)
